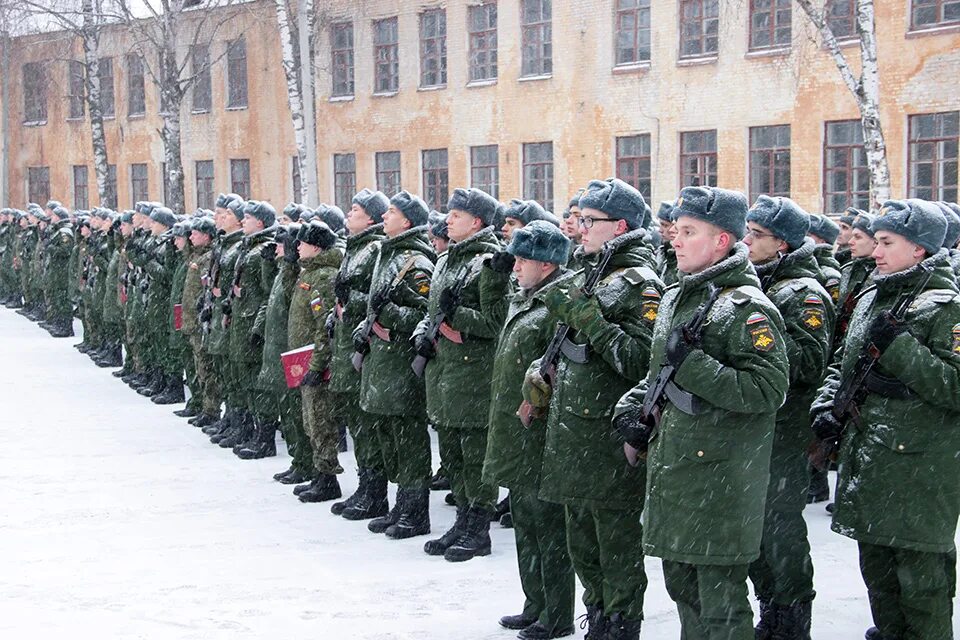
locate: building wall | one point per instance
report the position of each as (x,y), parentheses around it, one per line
(582,107)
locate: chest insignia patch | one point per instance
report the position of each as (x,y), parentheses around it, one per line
(813,318)
(648,311)
(756,318)
(762,338)
(316,304)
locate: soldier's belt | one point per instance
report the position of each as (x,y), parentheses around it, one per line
(887,387)
(578,353)
(687,402)
(450,333)
(381,332)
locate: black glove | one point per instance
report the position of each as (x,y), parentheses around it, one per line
(269,252)
(678,347)
(826,426)
(634,430)
(256,341)
(449,301)
(341,289)
(331,325)
(884,330)
(291,250)
(312,379)
(206,313)
(361,343)
(424,347)
(226,307)
(379,300)
(502,262)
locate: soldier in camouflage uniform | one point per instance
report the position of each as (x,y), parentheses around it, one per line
(112,306)
(26,245)
(845,222)
(399,286)
(708,454)
(603,356)
(898,492)
(666,257)
(176,343)
(351,288)
(855,274)
(17,233)
(571,228)
(134,307)
(458,371)
(520,213)
(57,267)
(784,260)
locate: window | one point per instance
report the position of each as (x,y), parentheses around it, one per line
(538,173)
(770,23)
(110,191)
(107,105)
(633,162)
(139,183)
(240,178)
(81,187)
(934,141)
(202,86)
(698,158)
(388,172)
(926,13)
(136,93)
(38,185)
(842,18)
(699,27)
(846,179)
(386,60)
(436,179)
(237,74)
(485,169)
(344,179)
(433,48)
(341,38)
(770,161)
(633,31)
(77,107)
(482,29)
(34,93)
(296,179)
(204,177)
(536,36)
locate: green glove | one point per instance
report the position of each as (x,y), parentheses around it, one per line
(536,390)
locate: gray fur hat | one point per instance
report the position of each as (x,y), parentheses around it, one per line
(236,207)
(617,199)
(262,211)
(164,216)
(916,220)
(782,217)
(317,233)
(864,222)
(374,203)
(824,228)
(412,207)
(438,225)
(542,241)
(204,224)
(665,212)
(952,213)
(722,208)
(526,211)
(293,211)
(477,203)
(851,213)
(332,215)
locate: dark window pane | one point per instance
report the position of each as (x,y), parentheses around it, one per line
(344,179)
(388,172)
(240,178)
(204,179)
(202,86)
(237,73)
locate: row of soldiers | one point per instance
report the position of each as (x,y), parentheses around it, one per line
(642,385)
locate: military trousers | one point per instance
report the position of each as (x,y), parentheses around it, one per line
(208,377)
(910,592)
(606,546)
(404,445)
(462,452)
(546,571)
(321,428)
(366,442)
(784,571)
(711,600)
(188,364)
(291,426)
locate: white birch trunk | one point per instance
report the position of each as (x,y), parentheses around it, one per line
(91,60)
(291,70)
(171,103)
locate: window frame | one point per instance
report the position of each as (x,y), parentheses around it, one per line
(438,54)
(201,93)
(107,78)
(77,90)
(536,34)
(703,161)
(435,179)
(636,162)
(479,44)
(491,186)
(773,27)
(941,21)
(936,186)
(858,199)
(833,20)
(702,37)
(35,89)
(387,176)
(242,187)
(530,183)
(238,91)
(41,182)
(342,61)
(81,189)
(135,89)
(110,188)
(139,184)
(636,11)
(391,62)
(204,185)
(754,154)
(344,180)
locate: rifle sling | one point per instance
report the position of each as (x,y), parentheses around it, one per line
(887,387)
(578,353)
(689,403)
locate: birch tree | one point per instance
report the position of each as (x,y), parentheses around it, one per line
(292,68)
(865,87)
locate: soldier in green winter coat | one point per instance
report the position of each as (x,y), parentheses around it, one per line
(666,257)
(57,266)
(104,249)
(951,212)
(399,287)
(134,306)
(37,271)
(535,256)
(845,222)
(784,260)
(279,404)
(310,303)
(364,222)
(708,454)
(898,491)
(112,304)
(855,274)
(459,368)
(26,245)
(180,253)
(570,226)
(824,231)
(605,354)
(228,215)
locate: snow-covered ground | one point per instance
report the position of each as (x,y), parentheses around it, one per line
(119,520)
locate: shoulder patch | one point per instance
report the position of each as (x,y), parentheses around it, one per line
(316,304)
(813,318)
(650,292)
(756,318)
(762,338)
(812,299)
(649,310)
(956,339)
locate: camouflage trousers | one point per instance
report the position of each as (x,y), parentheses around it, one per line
(321,428)
(208,377)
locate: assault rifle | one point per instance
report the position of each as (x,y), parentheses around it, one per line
(655,398)
(853,387)
(550,357)
(378,301)
(211,280)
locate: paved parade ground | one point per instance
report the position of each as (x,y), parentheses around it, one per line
(119,520)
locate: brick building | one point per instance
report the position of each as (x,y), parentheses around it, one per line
(526,98)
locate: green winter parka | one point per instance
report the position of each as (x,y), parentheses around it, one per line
(228,250)
(829,270)
(310,302)
(273,323)
(249,292)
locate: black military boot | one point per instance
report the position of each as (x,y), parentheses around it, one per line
(113,356)
(439,546)
(595,622)
(326,487)
(440,481)
(62,328)
(381,524)
(793,622)
(517,622)
(172,393)
(265,444)
(414,519)
(155,386)
(874,634)
(219,429)
(537,631)
(189,411)
(819,489)
(619,628)
(337,508)
(502,509)
(283,474)
(373,503)
(203,420)
(768,620)
(474,540)
(242,432)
